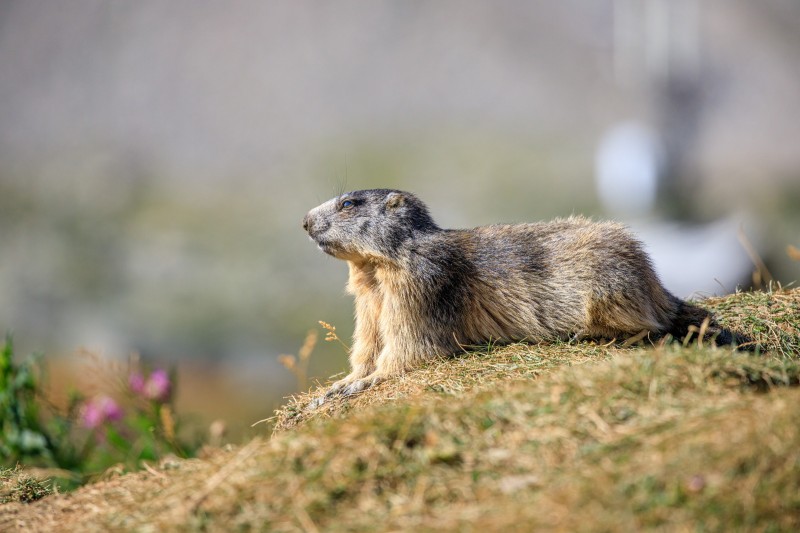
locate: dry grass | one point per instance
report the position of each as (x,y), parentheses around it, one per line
(566,437)
(770,318)
(483,368)
(19,486)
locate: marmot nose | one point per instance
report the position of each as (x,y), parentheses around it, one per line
(307,223)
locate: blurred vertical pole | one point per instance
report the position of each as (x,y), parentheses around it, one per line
(674,75)
(624,49)
(656,46)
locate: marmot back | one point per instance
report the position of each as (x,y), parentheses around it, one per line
(422,291)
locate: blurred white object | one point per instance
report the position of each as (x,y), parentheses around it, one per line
(627,167)
(699,260)
(691,259)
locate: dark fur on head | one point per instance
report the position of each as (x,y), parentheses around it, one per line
(368,224)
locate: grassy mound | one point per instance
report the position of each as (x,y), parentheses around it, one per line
(569,437)
(770,319)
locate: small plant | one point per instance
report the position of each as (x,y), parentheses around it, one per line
(18,487)
(298,365)
(142,427)
(134,423)
(331,336)
(25,436)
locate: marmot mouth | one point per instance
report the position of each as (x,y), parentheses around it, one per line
(326,246)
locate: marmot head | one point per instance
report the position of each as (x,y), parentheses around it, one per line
(372,224)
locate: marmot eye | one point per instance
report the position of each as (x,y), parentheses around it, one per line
(347,204)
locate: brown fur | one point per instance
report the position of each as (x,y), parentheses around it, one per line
(421,291)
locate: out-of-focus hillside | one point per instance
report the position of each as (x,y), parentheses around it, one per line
(157,157)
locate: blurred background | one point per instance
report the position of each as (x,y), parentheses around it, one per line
(156,159)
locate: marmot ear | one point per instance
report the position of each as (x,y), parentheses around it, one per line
(395,199)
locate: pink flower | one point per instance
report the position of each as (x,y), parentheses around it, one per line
(99,410)
(136,382)
(157,386)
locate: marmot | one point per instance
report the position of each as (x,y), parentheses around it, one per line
(422,291)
